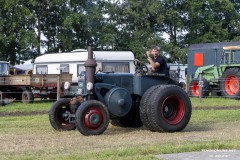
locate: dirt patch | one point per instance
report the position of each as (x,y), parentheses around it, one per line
(18,113)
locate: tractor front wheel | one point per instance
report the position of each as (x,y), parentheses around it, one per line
(60,115)
(195,88)
(92,118)
(230,83)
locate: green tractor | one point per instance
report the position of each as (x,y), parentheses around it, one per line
(219,80)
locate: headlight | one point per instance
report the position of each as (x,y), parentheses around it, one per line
(89,86)
(66,85)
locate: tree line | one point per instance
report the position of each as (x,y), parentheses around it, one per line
(114,25)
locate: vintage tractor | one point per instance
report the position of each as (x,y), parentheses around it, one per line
(124,99)
(219,80)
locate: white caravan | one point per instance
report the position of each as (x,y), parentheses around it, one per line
(73,62)
(178,72)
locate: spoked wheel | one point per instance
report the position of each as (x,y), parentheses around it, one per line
(170,109)
(92,118)
(61,115)
(229,84)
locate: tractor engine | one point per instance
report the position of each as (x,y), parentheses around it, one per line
(112,89)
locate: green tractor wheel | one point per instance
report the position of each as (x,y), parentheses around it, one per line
(229,83)
(194,88)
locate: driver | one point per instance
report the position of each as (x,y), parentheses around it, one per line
(158,63)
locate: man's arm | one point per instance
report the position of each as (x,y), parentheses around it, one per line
(154,65)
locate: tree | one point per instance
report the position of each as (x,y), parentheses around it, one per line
(208,21)
(17,32)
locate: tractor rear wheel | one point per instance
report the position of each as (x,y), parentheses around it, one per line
(194,88)
(230,83)
(92,118)
(60,115)
(144,106)
(170,109)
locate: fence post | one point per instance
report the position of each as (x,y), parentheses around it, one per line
(187,85)
(58,87)
(200,84)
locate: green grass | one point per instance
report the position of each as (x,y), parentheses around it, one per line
(45,106)
(211,102)
(18,106)
(32,137)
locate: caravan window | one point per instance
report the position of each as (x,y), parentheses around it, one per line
(41,69)
(115,67)
(80,68)
(64,68)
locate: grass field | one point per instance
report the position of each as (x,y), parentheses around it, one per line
(31,137)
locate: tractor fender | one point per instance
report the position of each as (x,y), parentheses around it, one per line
(98,88)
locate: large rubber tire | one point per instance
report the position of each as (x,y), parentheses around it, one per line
(194,88)
(144,106)
(57,117)
(170,109)
(230,83)
(27,96)
(92,118)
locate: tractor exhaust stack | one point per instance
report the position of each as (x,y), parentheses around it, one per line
(90,67)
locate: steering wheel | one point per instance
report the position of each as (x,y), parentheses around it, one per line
(140,67)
